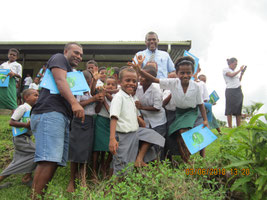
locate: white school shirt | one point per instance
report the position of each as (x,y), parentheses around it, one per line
(231,82)
(14,67)
(182,100)
(19,112)
(103,112)
(171,105)
(123,107)
(28,80)
(99,83)
(34,86)
(88,109)
(152,97)
(204,91)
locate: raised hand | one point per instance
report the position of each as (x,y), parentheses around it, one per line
(140,59)
(95,73)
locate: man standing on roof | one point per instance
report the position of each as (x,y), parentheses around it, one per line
(152,54)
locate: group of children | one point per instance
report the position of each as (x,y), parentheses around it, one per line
(130,117)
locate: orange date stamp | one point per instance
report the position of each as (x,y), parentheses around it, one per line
(216,171)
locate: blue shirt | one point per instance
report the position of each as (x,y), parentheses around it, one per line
(162,58)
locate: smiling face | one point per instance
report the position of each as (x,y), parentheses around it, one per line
(185,73)
(102,75)
(74,55)
(128,82)
(111,84)
(152,42)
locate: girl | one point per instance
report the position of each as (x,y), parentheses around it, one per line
(102,131)
(102,76)
(186,96)
(82,136)
(233,92)
(24,147)
(125,134)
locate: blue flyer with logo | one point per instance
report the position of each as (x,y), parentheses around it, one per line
(198,138)
(19,131)
(214,97)
(186,53)
(76,81)
(4,78)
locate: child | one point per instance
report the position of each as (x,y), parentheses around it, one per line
(213,123)
(125,134)
(27,81)
(186,96)
(102,76)
(82,136)
(8,97)
(35,84)
(150,104)
(102,130)
(24,147)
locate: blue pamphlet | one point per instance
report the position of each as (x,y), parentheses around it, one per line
(25,119)
(198,138)
(214,97)
(186,53)
(76,81)
(4,78)
(208,107)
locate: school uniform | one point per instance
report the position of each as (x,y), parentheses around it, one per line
(82,134)
(153,97)
(186,110)
(128,133)
(23,158)
(233,93)
(102,129)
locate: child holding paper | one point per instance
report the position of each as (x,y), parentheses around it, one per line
(129,143)
(186,96)
(24,147)
(82,135)
(102,130)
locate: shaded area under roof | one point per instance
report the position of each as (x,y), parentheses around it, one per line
(101,51)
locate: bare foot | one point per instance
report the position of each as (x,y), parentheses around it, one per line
(140,164)
(71,187)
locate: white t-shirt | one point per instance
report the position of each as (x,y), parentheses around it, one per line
(204,91)
(231,82)
(152,97)
(14,67)
(28,80)
(34,86)
(19,112)
(88,109)
(123,107)
(182,100)
(99,83)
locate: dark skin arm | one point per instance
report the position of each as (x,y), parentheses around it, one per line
(109,96)
(11,74)
(17,124)
(64,89)
(166,100)
(232,74)
(203,114)
(139,70)
(113,144)
(98,97)
(141,122)
(148,108)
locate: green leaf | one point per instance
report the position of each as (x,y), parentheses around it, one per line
(261,181)
(240,163)
(240,182)
(261,170)
(255,118)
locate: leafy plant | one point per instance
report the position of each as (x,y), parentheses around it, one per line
(249,151)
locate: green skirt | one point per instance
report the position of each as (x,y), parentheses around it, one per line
(102,133)
(213,124)
(185,118)
(8,96)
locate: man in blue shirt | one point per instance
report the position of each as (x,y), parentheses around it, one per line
(162,58)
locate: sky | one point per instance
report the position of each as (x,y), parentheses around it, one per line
(218,30)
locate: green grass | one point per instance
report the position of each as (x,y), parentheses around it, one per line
(157,181)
